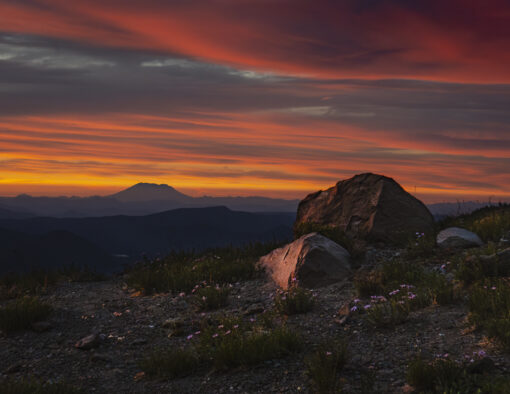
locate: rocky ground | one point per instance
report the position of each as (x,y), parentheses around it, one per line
(129,325)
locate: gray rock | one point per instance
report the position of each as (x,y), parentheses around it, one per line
(367,207)
(458,238)
(313,260)
(89,342)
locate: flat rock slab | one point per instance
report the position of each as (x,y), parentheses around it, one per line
(312,261)
(458,238)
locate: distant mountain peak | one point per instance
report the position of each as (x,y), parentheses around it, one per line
(143,191)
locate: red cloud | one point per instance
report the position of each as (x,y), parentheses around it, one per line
(464,41)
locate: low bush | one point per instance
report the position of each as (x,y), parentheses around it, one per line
(35,282)
(294,301)
(489,306)
(475,268)
(171,363)
(22,313)
(388,314)
(181,272)
(443,375)
(244,349)
(31,386)
(421,245)
(236,342)
(325,365)
(13,285)
(398,276)
(209,298)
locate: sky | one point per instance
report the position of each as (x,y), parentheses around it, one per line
(255,97)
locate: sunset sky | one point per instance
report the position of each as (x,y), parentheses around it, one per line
(255,97)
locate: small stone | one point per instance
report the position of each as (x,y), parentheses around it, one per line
(41,326)
(88,342)
(138,342)
(100,357)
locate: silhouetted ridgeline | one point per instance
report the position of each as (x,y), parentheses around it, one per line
(45,242)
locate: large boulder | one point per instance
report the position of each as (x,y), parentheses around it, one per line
(312,261)
(458,238)
(367,207)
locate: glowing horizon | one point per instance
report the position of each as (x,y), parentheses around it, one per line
(275,99)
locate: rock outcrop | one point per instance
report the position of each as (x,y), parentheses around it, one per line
(312,261)
(458,238)
(368,207)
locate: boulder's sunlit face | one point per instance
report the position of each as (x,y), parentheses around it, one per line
(276,98)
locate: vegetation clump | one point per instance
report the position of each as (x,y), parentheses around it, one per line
(228,343)
(326,364)
(443,375)
(21,313)
(38,281)
(294,301)
(171,363)
(181,271)
(31,386)
(489,306)
(209,298)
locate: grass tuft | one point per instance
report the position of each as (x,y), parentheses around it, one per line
(489,306)
(325,365)
(22,313)
(35,387)
(181,271)
(443,375)
(294,301)
(171,363)
(210,298)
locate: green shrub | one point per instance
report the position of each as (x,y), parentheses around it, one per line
(210,298)
(398,274)
(443,375)
(172,363)
(22,313)
(35,282)
(244,349)
(233,342)
(181,271)
(325,365)
(421,245)
(475,268)
(35,387)
(293,301)
(13,285)
(489,306)
(388,314)
(368,283)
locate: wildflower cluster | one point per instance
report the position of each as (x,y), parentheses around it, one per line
(207,297)
(390,310)
(295,300)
